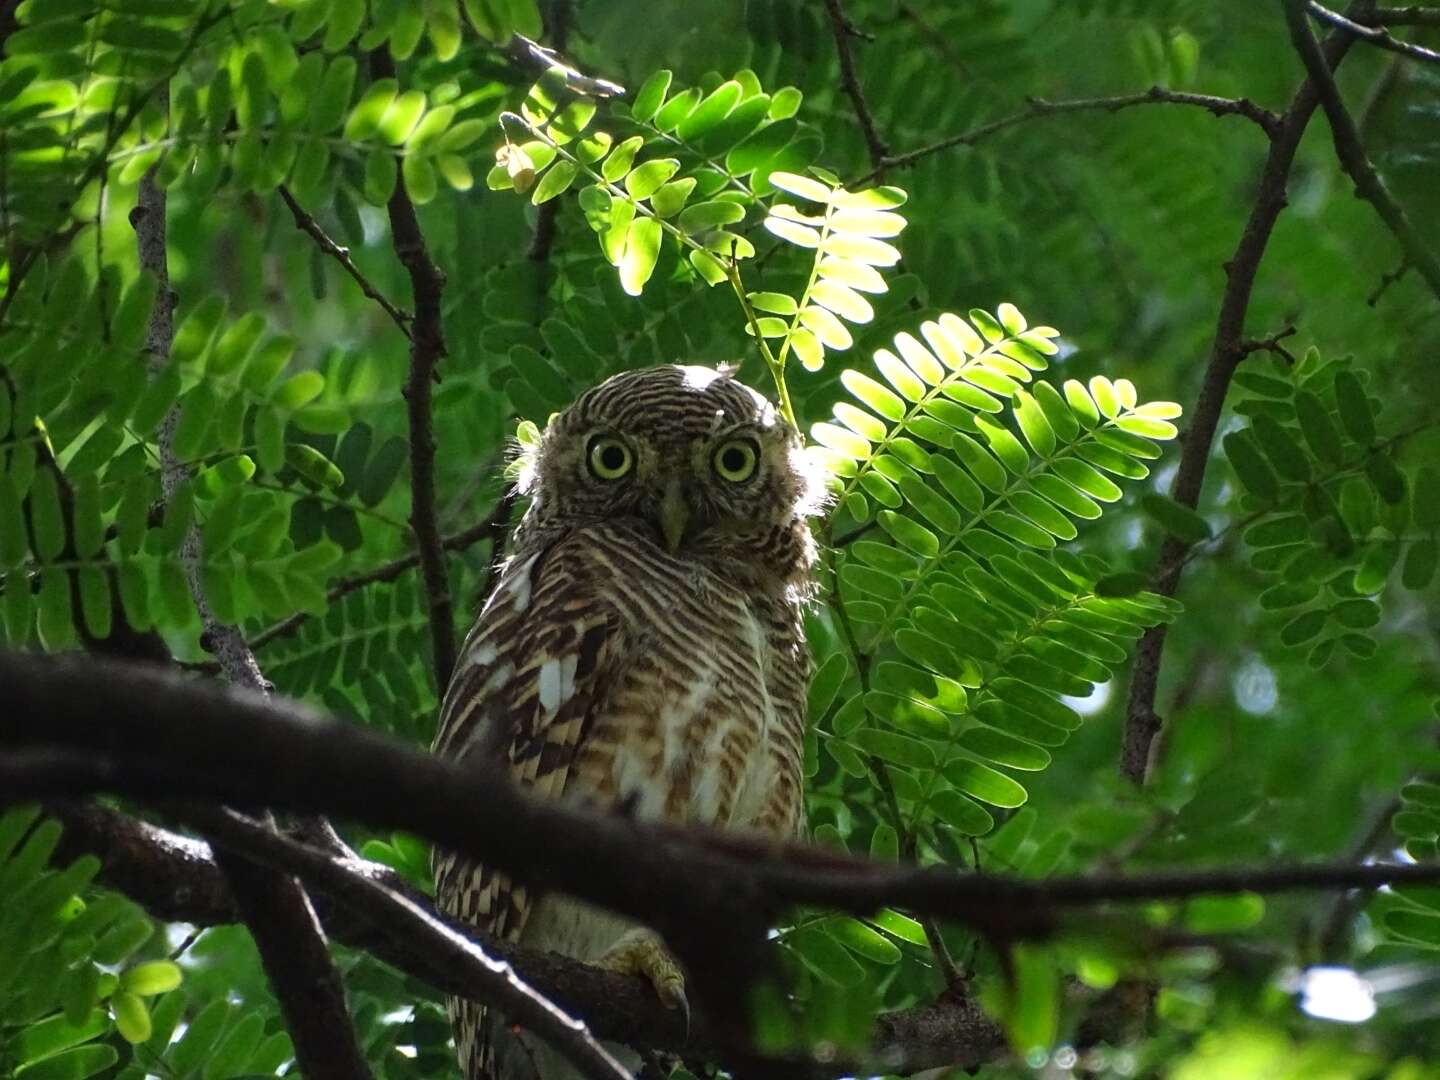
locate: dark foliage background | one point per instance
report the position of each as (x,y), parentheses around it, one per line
(978,612)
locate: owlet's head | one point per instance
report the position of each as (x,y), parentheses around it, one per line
(704,466)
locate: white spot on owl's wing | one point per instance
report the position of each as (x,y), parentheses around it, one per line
(555,682)
(548,686)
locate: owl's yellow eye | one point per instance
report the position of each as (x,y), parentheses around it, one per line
(609,457)
(735,459)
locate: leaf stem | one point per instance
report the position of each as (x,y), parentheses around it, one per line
(774,363)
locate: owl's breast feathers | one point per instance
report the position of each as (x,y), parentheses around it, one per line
(608,672)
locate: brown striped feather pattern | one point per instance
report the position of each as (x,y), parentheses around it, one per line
(621,670)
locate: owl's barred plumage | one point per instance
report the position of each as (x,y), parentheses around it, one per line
(644,649)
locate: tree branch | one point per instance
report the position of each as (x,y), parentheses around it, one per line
(275,908)
(1142,723)
(427,346)
(1035,108)
(1398,16)
(843,31)
(1371,30)
(174,879)
(435,944)
(1351,152)
(135,731)
(490,528)
(306,223)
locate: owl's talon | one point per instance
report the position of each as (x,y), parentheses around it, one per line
(642,952)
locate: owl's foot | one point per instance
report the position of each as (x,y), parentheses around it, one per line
(642,952)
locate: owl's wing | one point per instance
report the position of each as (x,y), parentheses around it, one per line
(539,658)
(533,669)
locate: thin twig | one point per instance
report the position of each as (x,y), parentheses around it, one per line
(1331,931)
(543,238)
(1271,343)
(1350,151)
(1386,280)
(933,37)
(1142,722)
(465,538)
(1398,16)
(1035,108)
(306,223)
(279,915)
(427,346)
(533,55)
(841,28)
(1375,34)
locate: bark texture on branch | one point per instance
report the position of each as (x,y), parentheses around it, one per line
(1142,721)
(274,906)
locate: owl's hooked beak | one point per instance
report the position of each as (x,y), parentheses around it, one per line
(674,515)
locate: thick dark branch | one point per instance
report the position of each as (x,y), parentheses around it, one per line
(1370,30)
(150,734)
(850,80)
(434,943)
(306,223)
(427,346)
(173,878)
(1351,152)
(1036,108)
(1142,722)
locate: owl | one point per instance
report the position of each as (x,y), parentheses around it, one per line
(643,652)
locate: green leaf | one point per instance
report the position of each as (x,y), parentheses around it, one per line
(676,109)
(670,198)
(233,1051)
(804,186)
(862,940)
(825,956)
(1281,449)
(557,180)
(709,112)
(46,520)
(709,215)
(651,95)
(75,1064)
(1355,411)
(381,174)
(642,249)
(1250,466)
(785,103)
(644,180)
(985,784)
(1033,1013)
(314,466)
(364,119)
(893,747)
(400,117)
(961,813)
(617,164)
(1178,520)
(1319,430)
(151,978)
(14,546)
